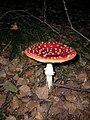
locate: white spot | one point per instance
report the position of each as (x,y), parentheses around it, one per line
(53,42)
(54,58)
(33,51)
(58,53)
(44,55)
(47,49)
(29,48)
(43,52)
(67,50)
(52,53)
(39,46)
(55,48)
(68,56)
(65,45)
(57,45)
(43,48)
(50,50)
(45,45)
(59,57)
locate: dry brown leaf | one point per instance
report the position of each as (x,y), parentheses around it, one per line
(33,62)
(70,106)
(29,73)
(24,90)
(71,98)
(3,60)
(10,118)
(85,103)
(22,109)
(2,74)
(42,108)
(26,117)
(31,105)
(82,77)
(79,105)
(86,84)
(57,107)
(21,81)
(2,99)
(39,116)
(14,26)
(62,91)
(15,103)
(42,92)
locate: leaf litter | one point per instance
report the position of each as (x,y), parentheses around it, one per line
(33,101)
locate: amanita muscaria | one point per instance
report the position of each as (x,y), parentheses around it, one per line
(50,52)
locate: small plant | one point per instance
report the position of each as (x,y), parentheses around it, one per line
(9,88)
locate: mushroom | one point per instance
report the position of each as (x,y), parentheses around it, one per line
(50,52)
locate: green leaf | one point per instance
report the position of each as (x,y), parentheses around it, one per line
(10,88)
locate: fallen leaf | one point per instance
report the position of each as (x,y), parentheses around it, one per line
(3,60)
(79,105)
(86,84)
(13,64)
(22,109)
(43,107)
(82,77)
(57,107)
(26,117)
(10,118)
(39,116)
(70,106)
(24,90)
(14,26)
(2,99)
(15,103)
(31,105)
(33,62)
(71,98)
(29,73)
(2,74)
(85,103)
(21,81)
(62,91)
(42,92)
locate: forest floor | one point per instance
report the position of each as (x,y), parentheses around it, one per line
(69,98)
(24,93)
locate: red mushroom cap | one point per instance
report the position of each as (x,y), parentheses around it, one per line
(50,52)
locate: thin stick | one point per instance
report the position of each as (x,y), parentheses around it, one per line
(44,11)
(6,46)
(71,26)
(72,88)
(26,11)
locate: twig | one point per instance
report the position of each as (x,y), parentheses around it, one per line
(72,88)
(71,26)
(6,46)
(7,101)
(44,11)
(26,11)
(47,113)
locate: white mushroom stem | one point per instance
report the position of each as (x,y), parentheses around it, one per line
(49,72)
